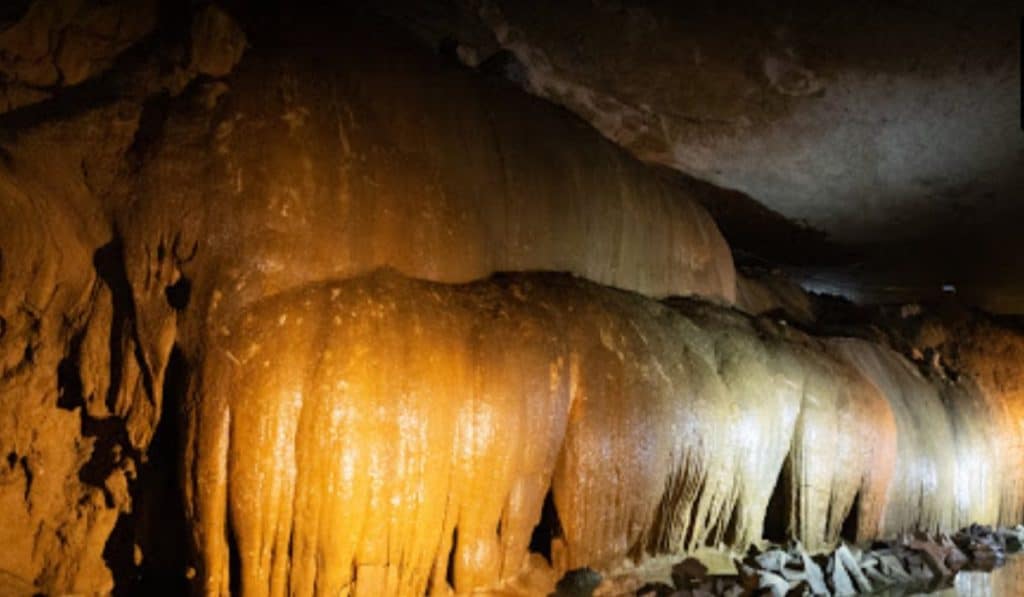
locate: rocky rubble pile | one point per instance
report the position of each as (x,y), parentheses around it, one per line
(919,561)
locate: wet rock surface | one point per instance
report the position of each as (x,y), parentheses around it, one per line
(254,336)
(912,564)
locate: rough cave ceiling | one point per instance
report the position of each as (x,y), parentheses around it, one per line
(891,127)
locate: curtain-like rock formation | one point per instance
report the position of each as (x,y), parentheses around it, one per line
(972,351)
(382,435)
(365,423)
(304,246)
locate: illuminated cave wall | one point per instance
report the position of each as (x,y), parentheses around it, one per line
(386,436)
(300,260)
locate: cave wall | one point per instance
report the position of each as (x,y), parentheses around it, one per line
(80,399)
(405,433)
(396,159)
(57,515)
(309,237)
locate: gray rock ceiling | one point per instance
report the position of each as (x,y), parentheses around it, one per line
(891,127)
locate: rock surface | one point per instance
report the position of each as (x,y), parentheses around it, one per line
(298,259)
(59,43)
(662,428)
(892,127)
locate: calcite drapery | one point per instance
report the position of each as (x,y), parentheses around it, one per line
(345,432)
(375,433)
(382,435)
(121,218)
(305,170)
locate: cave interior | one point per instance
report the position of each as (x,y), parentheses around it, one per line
(510,297)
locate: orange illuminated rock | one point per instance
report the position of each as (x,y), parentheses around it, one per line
(382,435)
(304,255)
(309,168)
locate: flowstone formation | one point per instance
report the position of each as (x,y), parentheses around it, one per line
(371,323)
(366,435)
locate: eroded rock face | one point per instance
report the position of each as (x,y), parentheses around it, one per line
(60,343)
(60,43)
(302,246)
(80,383)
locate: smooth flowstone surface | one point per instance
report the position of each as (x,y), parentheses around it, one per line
(384,435)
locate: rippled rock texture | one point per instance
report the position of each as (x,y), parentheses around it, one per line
(270,278)
(386,436)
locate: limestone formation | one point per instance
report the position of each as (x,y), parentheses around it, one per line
(379,323)
(393,159)
(376,421)
(61,43)
(772,293)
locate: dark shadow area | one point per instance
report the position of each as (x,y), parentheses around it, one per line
(234,559)
(11,11)
(776,518)
(69,381)
(178,294)
(851,523)
(450,573)
(758,235)
(731,526)
(548,528)
(150,130)
(160,526)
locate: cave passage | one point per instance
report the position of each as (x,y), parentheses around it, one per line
(448,298)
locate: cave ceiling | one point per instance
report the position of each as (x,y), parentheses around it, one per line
(889,129)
